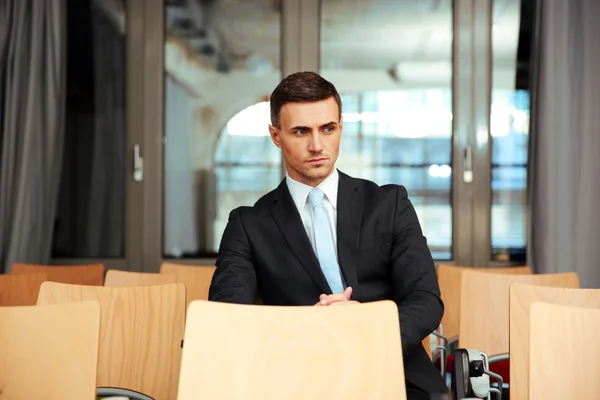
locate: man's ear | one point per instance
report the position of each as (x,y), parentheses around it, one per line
(274,132)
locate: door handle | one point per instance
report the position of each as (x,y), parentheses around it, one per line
(468,165)
(138,164)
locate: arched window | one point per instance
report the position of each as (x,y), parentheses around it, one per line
(247,164)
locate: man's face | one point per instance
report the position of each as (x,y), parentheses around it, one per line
(309,136)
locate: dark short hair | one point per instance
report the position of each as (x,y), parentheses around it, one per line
(301,87)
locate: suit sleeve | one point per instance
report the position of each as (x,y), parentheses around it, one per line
(416,290)
(234,280)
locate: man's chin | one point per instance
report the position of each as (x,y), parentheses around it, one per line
(318,172)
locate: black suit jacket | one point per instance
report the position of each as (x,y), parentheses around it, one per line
(382,253)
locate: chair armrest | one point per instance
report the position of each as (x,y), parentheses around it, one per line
(107,392)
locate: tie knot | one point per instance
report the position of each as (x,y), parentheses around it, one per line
(315,197)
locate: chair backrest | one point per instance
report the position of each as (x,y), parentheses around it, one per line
(128,278)
(564,352)
(274,352)
(20,290)
(92,274)
(49,352)
(522,296)
(449,279)
(141,332)
(197,278)
(485,306)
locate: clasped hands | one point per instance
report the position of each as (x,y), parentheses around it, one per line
(338,299)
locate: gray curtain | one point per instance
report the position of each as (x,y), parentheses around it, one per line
(32,102)
(564,186)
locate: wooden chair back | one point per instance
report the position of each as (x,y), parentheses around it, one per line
(197,278)
(450,278)
(20,290)
(92,274)
(49,352)
(128,278)
(485,306)
(141,330)
(564,352)
(274,352)
(522,296)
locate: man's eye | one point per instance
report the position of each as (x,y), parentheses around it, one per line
(301,131)
(329,129)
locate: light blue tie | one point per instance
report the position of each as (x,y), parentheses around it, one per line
(324,242)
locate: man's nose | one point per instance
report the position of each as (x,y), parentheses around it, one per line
(315,145)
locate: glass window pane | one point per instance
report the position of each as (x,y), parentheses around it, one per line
(221,64)
(90,215)
(509,128)
(397,100)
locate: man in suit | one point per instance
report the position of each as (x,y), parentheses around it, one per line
(324,238)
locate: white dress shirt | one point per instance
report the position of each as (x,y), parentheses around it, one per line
(299,192)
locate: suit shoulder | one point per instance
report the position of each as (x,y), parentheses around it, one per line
(265,201)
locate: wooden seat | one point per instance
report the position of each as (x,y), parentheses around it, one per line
(20,290)
(49,352)
(141,332)
(522,296)
(92,274)
(127,278)
(267,352)
(564,352)
(450,278)
(485,306)
(197,279)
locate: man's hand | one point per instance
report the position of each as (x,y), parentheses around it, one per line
(339,299)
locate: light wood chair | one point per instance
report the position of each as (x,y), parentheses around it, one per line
(92,274)
(484,314)
(450,278)
(20,290)
(564,352)
(522,296)
(49,352)
(196,278)
(268,352)
(128,278)
(141,330)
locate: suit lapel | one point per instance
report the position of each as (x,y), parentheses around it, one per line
(349,216)
(288,220)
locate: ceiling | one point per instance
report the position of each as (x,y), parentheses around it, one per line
(413,35)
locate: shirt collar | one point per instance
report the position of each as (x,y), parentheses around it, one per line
(299,191)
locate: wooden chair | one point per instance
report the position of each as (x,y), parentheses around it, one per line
(485,306)
(270,352)
(522,296)
(92,274)
(141,330)
(49,352)
(564,352)
(197,279)
(127,278)
(450,278)
(20,290)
